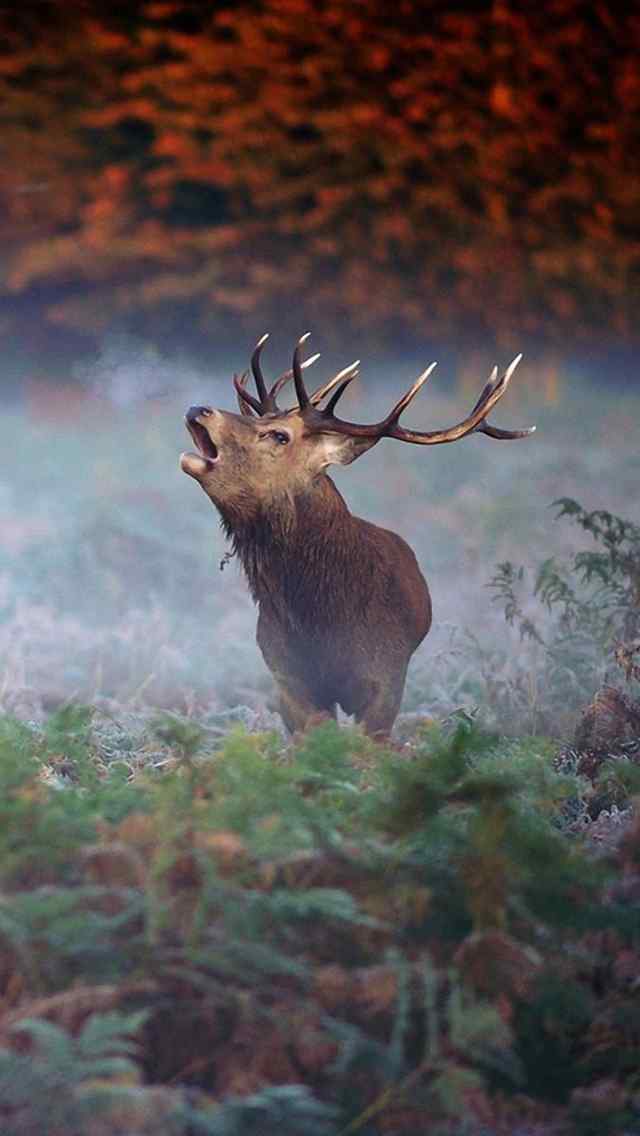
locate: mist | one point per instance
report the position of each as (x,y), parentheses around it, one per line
(114,584)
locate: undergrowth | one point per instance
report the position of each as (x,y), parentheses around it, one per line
(577,618)
(317,940)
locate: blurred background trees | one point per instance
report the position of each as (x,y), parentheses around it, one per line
(408,170)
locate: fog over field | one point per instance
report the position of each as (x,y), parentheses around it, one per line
(111,589)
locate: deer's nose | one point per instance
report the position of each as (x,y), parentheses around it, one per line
(195,412)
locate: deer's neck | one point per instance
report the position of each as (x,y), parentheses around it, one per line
(298,555)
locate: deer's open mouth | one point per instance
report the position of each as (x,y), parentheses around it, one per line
(197,465)
(202,439)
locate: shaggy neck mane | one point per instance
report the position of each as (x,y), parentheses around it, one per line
(297,554)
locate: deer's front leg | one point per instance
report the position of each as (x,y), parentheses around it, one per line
(298,705)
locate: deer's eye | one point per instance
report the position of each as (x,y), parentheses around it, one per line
(278,436)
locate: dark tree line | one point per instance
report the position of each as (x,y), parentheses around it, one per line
(415,168)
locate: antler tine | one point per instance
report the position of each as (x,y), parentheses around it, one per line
(287,376)
(487,387)
(483,427)
(301,392)
(337,395)
(394,414)
(503,435)
(493,431)
(326,388)
(246,401)
(261,386)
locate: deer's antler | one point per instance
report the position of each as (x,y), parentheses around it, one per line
(266,401)
(324,421)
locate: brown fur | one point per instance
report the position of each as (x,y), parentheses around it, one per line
(342,603)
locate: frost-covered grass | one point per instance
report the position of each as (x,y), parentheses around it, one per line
(110,587)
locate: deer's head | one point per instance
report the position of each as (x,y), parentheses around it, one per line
(246,462)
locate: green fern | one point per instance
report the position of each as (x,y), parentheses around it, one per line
(49,1091)
(282,1110)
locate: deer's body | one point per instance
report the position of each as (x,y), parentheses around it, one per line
(342,602)
(329,635)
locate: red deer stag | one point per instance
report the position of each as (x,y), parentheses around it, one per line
(342,603)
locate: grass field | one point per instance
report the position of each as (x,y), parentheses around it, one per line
(110,585)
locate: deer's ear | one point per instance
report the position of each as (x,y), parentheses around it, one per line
(341,449)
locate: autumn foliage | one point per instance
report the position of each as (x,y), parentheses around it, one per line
(421,167)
